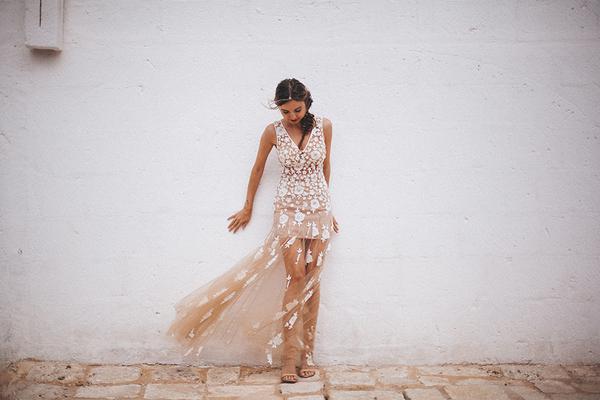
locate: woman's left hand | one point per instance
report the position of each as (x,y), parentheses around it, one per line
(336,227)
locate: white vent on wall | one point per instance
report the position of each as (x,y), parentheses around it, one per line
(44,24)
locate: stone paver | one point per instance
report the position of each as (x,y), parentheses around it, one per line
(583,370)
(457,370)
(301,387)
(477,392)
(260,396)
(270,376)
(434,380)
(239,390)
(108,392)
(174,391)
(423,394)
(114,374)
(365,395)
(345,368)
(396,375)
(553,386)
(589,384)
(351,379)
(534,372)
(175,374)
(223,375)
(528,392)
(487,381)
(575,396)
(56,372)
(40,391)
(47,380)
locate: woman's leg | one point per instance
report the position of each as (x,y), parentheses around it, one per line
(315,257)
(293,258)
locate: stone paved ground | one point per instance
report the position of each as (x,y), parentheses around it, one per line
(33,379)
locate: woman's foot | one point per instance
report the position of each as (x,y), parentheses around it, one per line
(288,374)
(307,372)
(307,369)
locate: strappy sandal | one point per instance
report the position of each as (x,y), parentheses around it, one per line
(306,371)
(289,377)
(288,370)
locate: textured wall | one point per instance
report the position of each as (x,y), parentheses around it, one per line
(465,165)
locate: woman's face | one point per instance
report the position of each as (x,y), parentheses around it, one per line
(293,111)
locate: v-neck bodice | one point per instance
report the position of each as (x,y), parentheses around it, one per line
(302,185)
(290,136)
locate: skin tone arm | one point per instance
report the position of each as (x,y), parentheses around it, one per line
(327,134)
(242,217)
(268,139)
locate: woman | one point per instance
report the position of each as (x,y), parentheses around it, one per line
(269,300)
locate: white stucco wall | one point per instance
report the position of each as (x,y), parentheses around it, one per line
(465,173)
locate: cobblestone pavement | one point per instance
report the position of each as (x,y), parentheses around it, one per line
(33,379)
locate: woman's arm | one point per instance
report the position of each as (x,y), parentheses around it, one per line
(242,217)
(328,133)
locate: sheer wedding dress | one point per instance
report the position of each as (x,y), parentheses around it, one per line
(265,307)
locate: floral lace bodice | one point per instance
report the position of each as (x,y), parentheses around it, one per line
(302,185)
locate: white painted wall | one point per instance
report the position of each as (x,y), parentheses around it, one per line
(465,167)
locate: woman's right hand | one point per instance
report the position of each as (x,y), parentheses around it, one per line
(239,220)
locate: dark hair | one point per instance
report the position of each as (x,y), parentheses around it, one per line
(294,89)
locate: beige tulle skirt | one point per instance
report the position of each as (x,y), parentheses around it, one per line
(264,309)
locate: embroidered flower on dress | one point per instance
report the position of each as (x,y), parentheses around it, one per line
(290,242)
(283,218)
(276,340)
(299,217)
(310,292)
(283,189)
(290,323)
(315,155)
(288,279)
(325,232)
(309,256)
(314,203)
(315,230)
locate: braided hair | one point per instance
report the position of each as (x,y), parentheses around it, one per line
(293,89)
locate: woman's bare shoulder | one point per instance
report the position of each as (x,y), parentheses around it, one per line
(327,126)
(269,133)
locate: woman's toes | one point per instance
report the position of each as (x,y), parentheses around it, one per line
(307,373)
